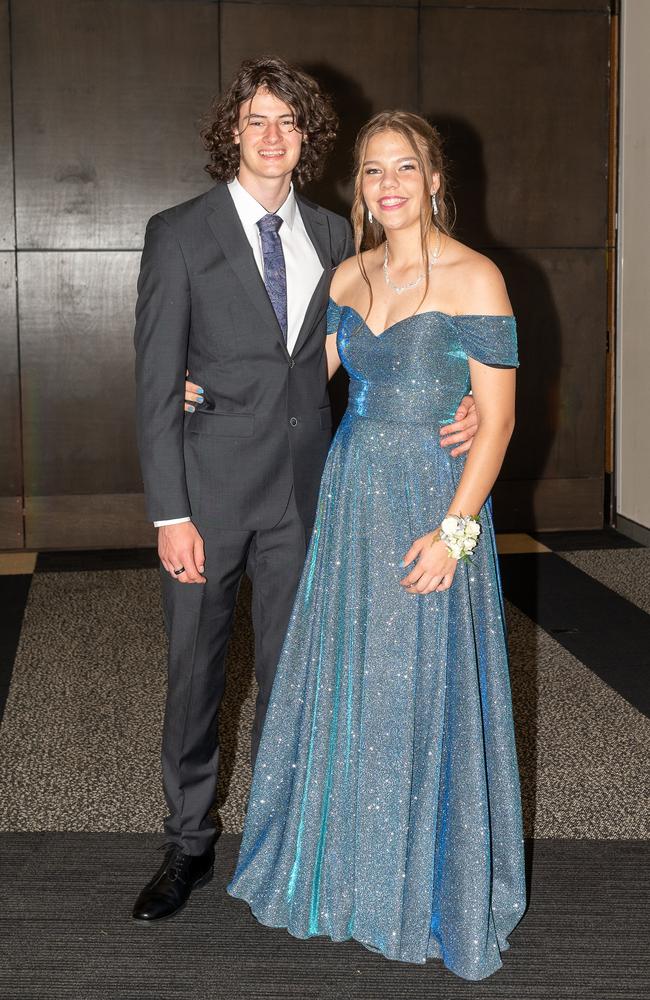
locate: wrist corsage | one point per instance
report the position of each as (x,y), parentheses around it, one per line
(460,535)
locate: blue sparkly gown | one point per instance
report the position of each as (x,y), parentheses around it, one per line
(385,802)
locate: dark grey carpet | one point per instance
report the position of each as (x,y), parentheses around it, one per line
(66,933)
(80,738)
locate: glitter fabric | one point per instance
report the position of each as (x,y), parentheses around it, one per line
(385,801)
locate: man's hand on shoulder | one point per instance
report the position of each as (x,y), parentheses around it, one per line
(461,432)
(180,547)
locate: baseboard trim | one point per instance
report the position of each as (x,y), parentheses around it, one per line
(99,521)
(638,532)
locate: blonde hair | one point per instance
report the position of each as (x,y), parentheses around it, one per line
(426,143)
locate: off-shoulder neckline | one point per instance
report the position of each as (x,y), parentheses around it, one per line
(425,312)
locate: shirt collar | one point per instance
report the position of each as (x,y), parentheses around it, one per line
(250,211)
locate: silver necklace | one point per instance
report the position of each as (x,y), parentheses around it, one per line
(412,284)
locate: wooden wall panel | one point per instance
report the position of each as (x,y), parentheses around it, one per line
(365,57)
(522,96)
(106,521)
(76,329)
(560,299)
(11,520)
(356,42)
(107,97)
(330,3)
(527,140)
(530,5)
(6,152)
(553,476)
(549,505)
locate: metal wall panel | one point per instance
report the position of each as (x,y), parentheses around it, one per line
(107,97)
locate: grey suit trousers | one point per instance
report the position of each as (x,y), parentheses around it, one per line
(198,619)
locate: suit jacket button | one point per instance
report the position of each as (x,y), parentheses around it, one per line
(291,362)
(294,422)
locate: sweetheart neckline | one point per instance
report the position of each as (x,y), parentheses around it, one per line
(425,312)
(378,336)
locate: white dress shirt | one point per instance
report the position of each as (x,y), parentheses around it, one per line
(301,261)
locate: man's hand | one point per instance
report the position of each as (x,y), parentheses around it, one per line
(462,431)
(181,547)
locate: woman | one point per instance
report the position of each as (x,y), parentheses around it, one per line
(385,799)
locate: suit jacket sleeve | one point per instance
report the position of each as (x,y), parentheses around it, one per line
(162,324)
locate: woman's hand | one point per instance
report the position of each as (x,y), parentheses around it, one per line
(193,394)
(434,569)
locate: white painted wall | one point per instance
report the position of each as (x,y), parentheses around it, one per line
(633,345)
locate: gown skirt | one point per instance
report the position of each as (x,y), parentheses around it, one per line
(385,802)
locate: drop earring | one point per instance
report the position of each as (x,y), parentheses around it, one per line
(370,219)
(434,203)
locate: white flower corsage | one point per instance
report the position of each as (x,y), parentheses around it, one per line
(460,534)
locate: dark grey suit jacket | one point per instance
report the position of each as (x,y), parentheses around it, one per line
(266,424)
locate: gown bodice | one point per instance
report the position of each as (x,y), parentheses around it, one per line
(417,370)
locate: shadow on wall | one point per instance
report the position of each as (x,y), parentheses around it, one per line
(537,319)
(335,190)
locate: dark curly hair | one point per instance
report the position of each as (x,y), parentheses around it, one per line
(315,117)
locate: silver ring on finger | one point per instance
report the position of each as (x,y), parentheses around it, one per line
(177,572)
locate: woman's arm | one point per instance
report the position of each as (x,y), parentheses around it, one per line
(494,395)
(493,390)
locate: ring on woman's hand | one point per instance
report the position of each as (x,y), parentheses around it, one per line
(177,572)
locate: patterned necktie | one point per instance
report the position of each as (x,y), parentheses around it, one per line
(275,272)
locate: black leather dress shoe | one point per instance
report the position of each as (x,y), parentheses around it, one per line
(170,888)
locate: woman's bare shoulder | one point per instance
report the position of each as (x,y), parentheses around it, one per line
(480,284)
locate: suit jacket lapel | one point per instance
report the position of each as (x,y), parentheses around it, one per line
(318,230)
(229,233)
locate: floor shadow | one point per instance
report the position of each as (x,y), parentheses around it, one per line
(525,696)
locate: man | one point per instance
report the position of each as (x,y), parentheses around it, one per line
(233,286)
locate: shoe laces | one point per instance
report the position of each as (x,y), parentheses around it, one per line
(176,861)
